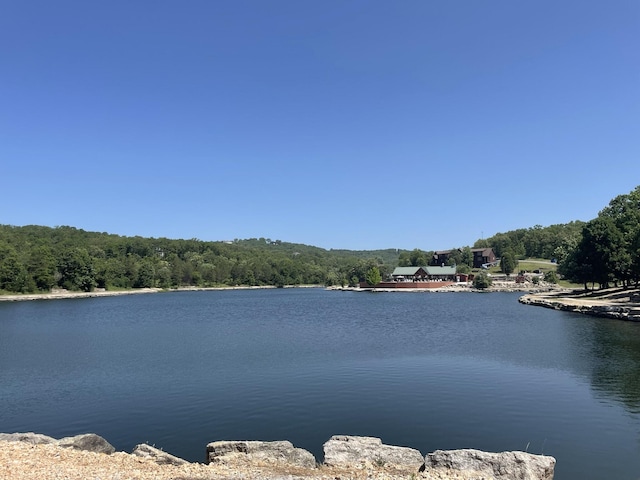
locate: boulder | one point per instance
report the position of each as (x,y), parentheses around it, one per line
(493,466)
(163,458)
(344,450)
(29,437)
(89,442)
(281,452)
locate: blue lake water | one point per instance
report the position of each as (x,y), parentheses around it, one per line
(425,370)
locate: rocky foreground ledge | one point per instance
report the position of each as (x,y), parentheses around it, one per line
(31,456)
(617,303)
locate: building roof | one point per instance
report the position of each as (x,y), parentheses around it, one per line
(483,250)
(405,271)
(446,270)
(446,252)
(411,271)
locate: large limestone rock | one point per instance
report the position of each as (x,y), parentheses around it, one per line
(28,437)
(163,458)
(89,442)
(344,450)
(243,452)
(492,466)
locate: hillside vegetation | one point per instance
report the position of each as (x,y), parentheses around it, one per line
(605,251)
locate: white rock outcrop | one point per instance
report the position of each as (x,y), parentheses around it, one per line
(492,466)
(282,452)
(159,456)
(344,450)
(89,442)
(28,437)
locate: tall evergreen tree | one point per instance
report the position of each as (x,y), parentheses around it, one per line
(508,263)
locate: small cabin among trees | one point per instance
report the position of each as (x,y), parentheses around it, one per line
(442,257)
(480,256)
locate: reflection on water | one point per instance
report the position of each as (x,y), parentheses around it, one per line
(616,362)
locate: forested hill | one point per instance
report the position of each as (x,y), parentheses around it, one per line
(554,241)
(603,251)
(36,258)
(387,256)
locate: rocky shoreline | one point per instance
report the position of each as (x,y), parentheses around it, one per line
(615,303)
(27,456)
(496,286)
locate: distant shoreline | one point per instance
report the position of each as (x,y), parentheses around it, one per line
(61,294)
(64,294)
(497,286)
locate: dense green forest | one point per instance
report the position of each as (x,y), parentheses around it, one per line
(550,242)
(605,251)
(36,258)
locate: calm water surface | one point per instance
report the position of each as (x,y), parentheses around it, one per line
(427,370)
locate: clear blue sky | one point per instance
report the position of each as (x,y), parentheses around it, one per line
(340,124)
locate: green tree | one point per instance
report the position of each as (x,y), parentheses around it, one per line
(76,270)
(146,275)
(598,255)
(624,212)
(508,263)
(13,275)
(403,259)
(482,281)
(373,276)
(574,267)
(414,258)
(601,248)
(455,257)
(463,268)
(564,249)
(332,278)
(467,257)
(42,267)
(111,272)
(418,258)
(635,258)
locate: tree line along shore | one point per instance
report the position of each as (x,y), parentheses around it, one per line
(35,259)
(604,252)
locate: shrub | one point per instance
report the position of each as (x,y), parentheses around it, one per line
(481,281)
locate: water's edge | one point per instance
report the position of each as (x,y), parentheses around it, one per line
(341,451)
